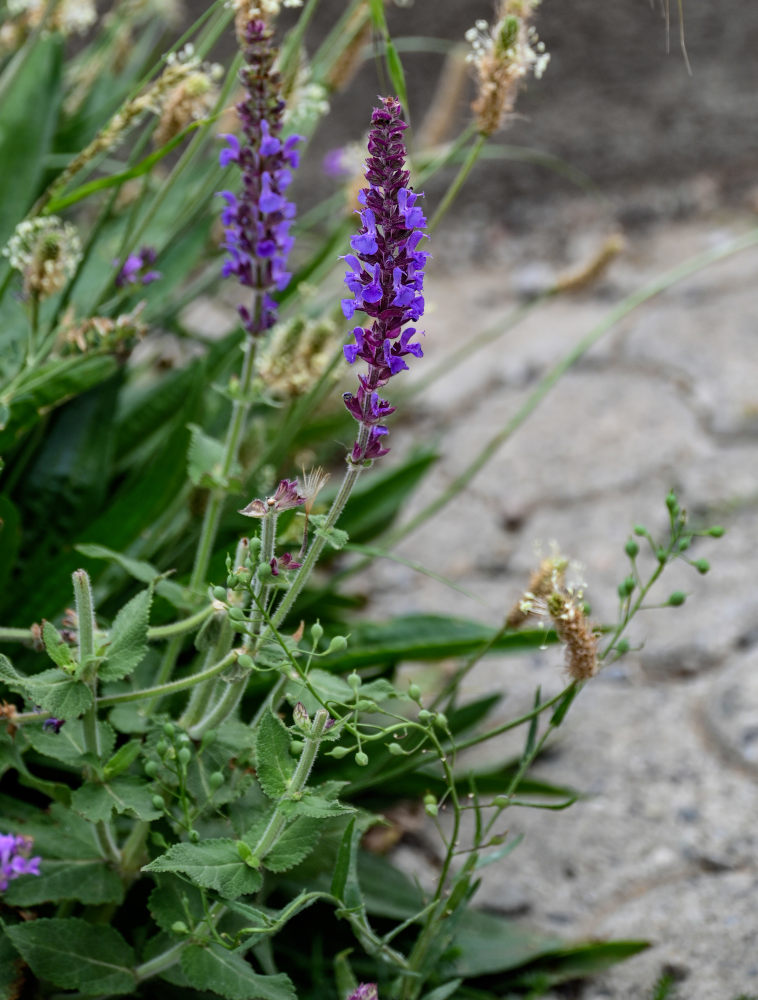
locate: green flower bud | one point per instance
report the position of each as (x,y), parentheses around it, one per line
(194,837)
(219,593)
(151,768)
(672,503)
(244,576)
(431,809)
(245,661)
(626,587)
(179,927)
(640,529)
(231,581)
(337,644)
(185,756)
(361,758)
(216,780)
(158,802)
(317,631)
(168,729)
(236,614)
(395,749)
(183,739)
(354,681)
(161,747)
(264,571)
(208,739)
(622,646)
(296,747)
(414,691)
(701,565)
(717,531)
(424,715)
(677,598)
(365,705)
(661,555)
(632,548)
(338,752)
(684,543)
(440,720)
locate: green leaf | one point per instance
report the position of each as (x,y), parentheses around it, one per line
(345,867)
(316,805)
(274,763)
(62,696)
(76,955)
(174,593)
(212,864)
(425,637)
(123,758)
(444,991)
(128,638)
(125,794)
(68,745)
(205,460)
(294,845)
(87,881)
(10,535)
(172,900)
(28,115)
(11,970)
(56,648)
(227,973)
(574,961)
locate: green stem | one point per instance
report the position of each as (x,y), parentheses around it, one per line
(202,695)
(261,593)
(170,687)
(316,547)
(15,635)
(177,628)
(452,192)
(296,785)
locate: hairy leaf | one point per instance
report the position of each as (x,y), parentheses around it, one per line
(213,864)
(274,763)
(68,745)
(124,794)
(173,900)
(128,638)
(88,881)
(294,845)
(227,973)
(76,955)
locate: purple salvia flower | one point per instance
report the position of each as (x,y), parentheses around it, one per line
(385,276)
(258,219)
(14,858)
(286,497)
(364,991)
(137,269)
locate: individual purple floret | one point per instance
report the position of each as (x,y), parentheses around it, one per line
(364,991)
(258,220)
(53,724)
(385,276)
(286,497)
(14,858)
(137,269)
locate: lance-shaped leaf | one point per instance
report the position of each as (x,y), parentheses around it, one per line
(56,648)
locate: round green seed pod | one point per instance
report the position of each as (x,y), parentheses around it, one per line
(161,747)
(361,758)
(179,927)
(185,756)
(151,768)
(219,593)
(236,614)
(632,548)
(216,780)
(158,802)
(168,729)
(414,691)
(338,752)
(245,661)
(395,749)
(677,599)
(296,747)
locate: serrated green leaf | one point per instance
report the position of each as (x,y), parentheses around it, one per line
(56,693)
(294,845)
(87,881)
(125,794)
(274,763)
(213,864)
(172,900)
(68,745)
(316,805)
(228,974)
(56,648)
(76,955)
(122,759)
(128,638)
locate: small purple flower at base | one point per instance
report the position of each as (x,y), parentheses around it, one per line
(283,562)
(136,269)
(15,860)
(365,991)
(53,724)
(385,276)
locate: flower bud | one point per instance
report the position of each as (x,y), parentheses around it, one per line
(245,661)
(354,681)
(632,548)
(626,587)
(184,756)
(701,565)
(677,598)
(395,749)
(236,614)
(424,715)
(216,780)
(361,759)
(151,768)
(219,593)
(716,531)
(338,752)
(301,718)
(296,747)
(168,729)
(179,927)
(161,747)
(317,631)
(414,691)
(194,837)
(158,802)
(337,644)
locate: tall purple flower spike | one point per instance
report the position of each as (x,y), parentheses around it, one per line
(258,220)
(385,276)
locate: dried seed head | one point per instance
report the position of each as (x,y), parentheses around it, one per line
(576,633)
(502,57)
(46,251)
(102,333)
(255,10)
(550,575)
(67,17)
(297,355)
(189,101)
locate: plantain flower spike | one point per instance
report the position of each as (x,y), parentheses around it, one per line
(503,56)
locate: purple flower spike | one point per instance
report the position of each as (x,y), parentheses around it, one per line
(136,269)
(258,219)
(14,858)
(385,276)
